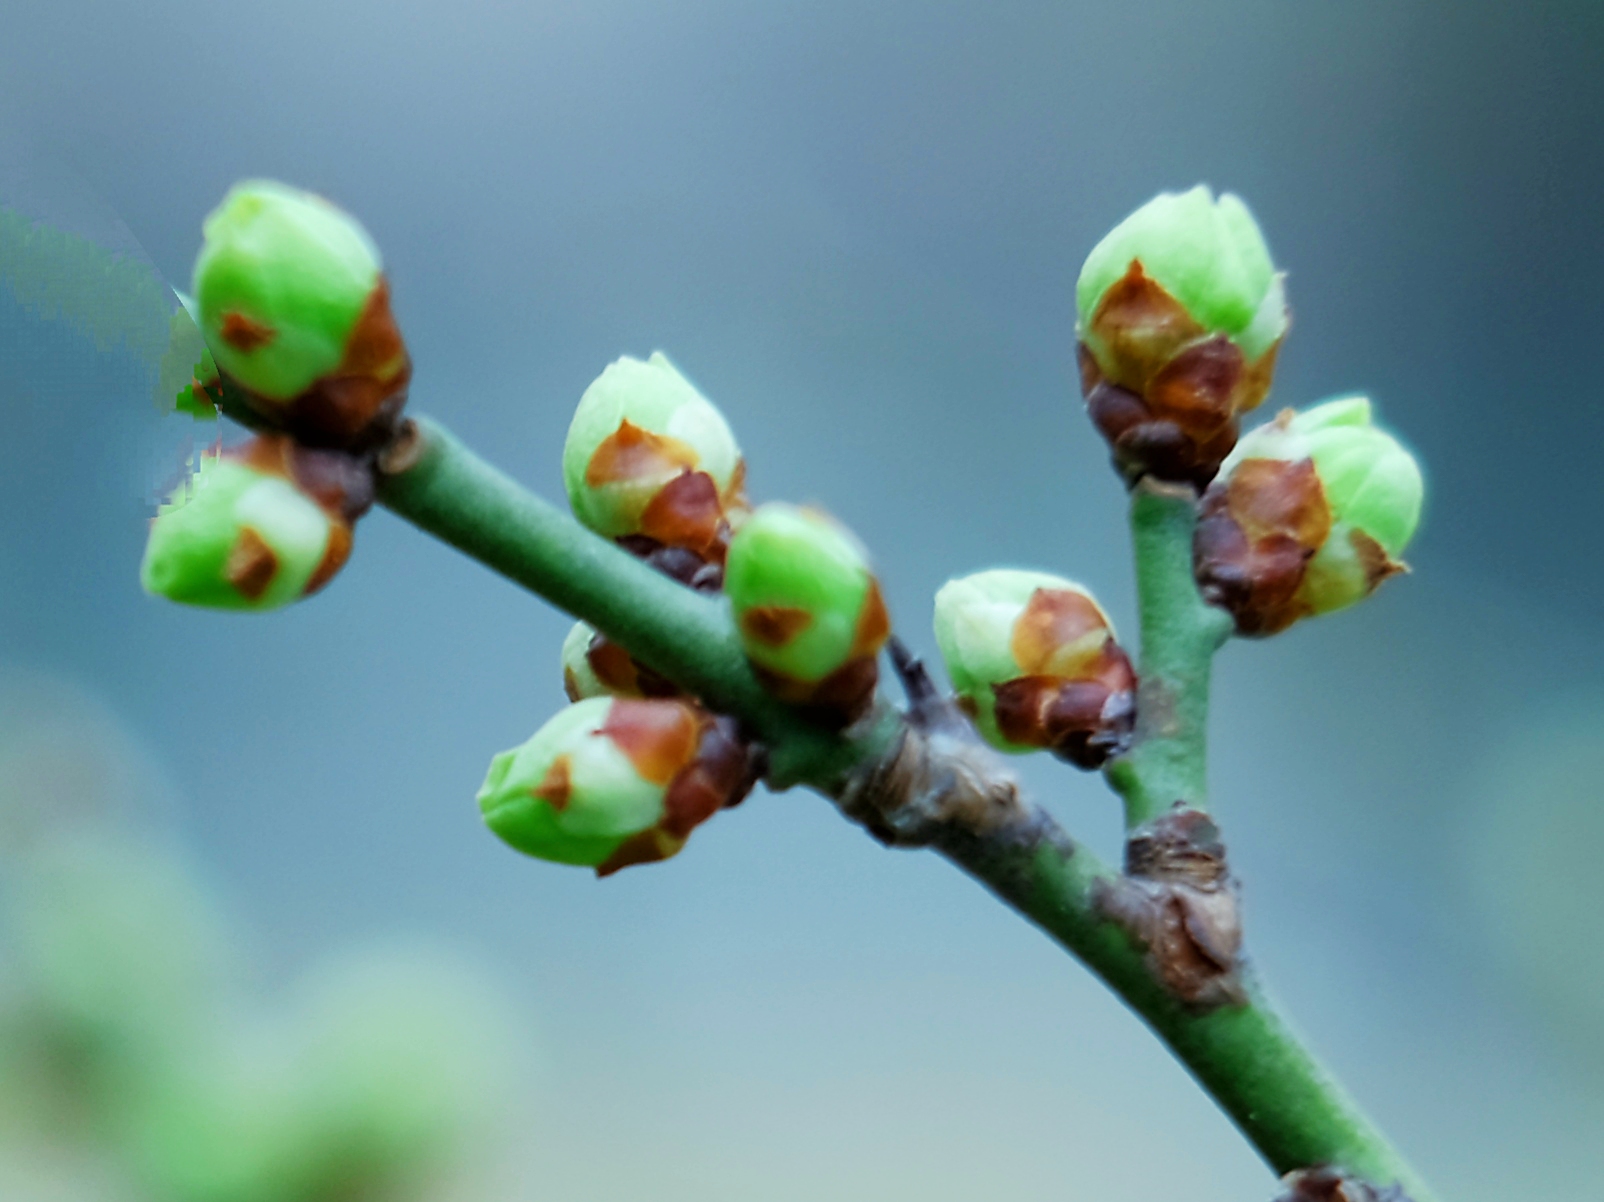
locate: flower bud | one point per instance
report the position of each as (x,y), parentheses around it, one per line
(1181,313)
(611,782)
(295,308)
(257,527)
(808,609)
(1034,664)
(595,666)
(650,462)
(1308,516)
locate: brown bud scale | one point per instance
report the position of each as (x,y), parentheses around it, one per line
(1165,394)
(251,565)
(355,406)
(1178,901)
(714,769)
(1084,719)
(658,738)
(1255,535)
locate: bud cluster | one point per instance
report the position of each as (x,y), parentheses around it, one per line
(294,306)
(1180,316)
(1034,663)
(610,782)
(652,464)
(257,526)
(1307,517)
(293,313)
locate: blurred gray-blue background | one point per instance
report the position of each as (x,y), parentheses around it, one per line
(857,227)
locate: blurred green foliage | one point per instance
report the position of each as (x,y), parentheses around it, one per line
(131,1051)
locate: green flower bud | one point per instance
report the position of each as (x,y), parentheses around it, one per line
(1035,664)
(295,308)
(256,527)
(595,666)
(808,609)
(1307,517)
(1181,313)
(611,782)
(648,458)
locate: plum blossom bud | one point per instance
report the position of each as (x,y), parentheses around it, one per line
(294,305)
(1035,665)
(257,527)
(651,463)
(1181,313)
(808,609)
(1309,515)
(610,782)
(595,666)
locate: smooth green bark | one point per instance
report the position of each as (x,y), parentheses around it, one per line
(1168,759)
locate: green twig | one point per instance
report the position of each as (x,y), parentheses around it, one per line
(1167,762)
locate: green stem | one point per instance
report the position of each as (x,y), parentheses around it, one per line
(1280,1097)
(1244,1056)
(1168,759)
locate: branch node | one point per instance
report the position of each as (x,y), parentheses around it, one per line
(935,780)
(1326,1184)
(1178,900)
(403,450)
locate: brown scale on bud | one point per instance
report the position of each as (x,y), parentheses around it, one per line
(605,668)
(1083,719)
(342,486)
(1257,530)
(845,694)
(1177,899)
(358,404)
(698,757)
(1164,392)
(651,464)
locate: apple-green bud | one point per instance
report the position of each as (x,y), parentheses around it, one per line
(595,666)
(257,527)
(649,458)
(1034,663)
(1180,315)
(294,306)
(1308,516)
(610,782)
(809,610)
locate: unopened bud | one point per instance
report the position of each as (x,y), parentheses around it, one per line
(651,462)
(295,308)
(808,609)
(1035,665)
(1309,515)
(1181,313)
(257,527)
(595,666)
(611,782)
